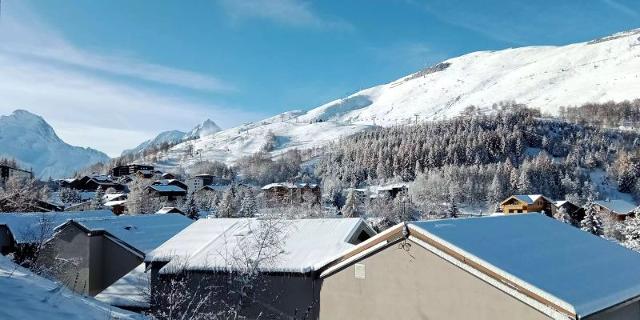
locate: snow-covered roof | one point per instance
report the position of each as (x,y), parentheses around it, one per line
(308,244)
(167,188)
(143,232)
(561,203)
(29,296)
(115,203)
(165,210)
(130,291)
(29,227)
(392,186)
(289,185)
(563,264)
(112,196)
(619,207)
(528,198)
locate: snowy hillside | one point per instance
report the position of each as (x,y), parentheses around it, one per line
(30,139)
(206,128)
(541,77)
(544,77)
(170,137)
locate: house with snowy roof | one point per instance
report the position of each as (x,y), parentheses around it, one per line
(287,192)
(524,266)
(21,231)
(617,209)
(214,251)
(167,193)
(524,203)
(88,255)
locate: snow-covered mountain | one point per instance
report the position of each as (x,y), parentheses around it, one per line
(206,128)
(544,77)
(171,137)
(32,141)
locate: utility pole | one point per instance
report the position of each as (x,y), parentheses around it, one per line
(416,115)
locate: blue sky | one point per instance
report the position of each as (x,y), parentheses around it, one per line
(111,73)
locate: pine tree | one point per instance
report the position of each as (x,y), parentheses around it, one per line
(562,216)
(592,222)
(226,207)
(631,233)
(350,208)
(191,209)
(97,202)
(248,205)
(452,211)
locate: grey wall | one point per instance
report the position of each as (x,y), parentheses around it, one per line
(86,264)
(6,240)
(278,296)
(413,283)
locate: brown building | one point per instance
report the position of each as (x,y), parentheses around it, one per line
(129,169)
(167,193)
(506,267)
(617,209)
(575,212)
(88,255)
(285,192)
(8,171)
(210,253)
(523,203)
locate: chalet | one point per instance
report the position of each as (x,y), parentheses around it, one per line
(168,175)
(575,212)
(102,250)
(92,183)
(392,190)
(165,210)
(523,203)
(145,174)
(129,169)
(618,209)
(7,204)
(8,171)
(170,182)
(20,231)
(285,192)
(167,193)
(118,207)
(289,287)
(524,267)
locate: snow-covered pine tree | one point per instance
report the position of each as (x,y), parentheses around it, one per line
(248,205)
(592,222)
(452,211)
(630,231)
(191,210)
(563,216)
(350,208)
(226,207)
(97,202)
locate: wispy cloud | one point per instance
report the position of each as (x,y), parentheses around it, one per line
(622,8)
(85,103)
(38,41)
(288,12)
(412,55)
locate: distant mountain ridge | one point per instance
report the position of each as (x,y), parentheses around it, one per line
(544,77)
(30,140)
(207,127)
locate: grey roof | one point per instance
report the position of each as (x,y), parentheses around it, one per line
(564,262)
(167,188)
(143,232)
(619,207)
(37,226)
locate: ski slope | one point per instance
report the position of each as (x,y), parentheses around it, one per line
(544,77)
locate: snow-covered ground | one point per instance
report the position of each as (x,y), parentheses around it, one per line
(28,296)
(544,77)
